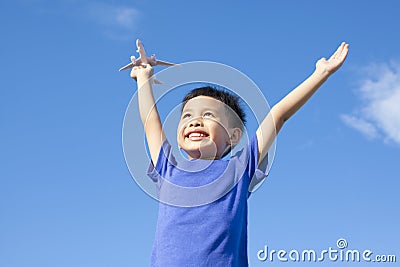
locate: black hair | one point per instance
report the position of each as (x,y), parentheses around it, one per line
(229,99)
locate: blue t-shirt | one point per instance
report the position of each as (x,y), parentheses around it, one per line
(202,217)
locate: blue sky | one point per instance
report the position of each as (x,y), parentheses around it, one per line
(66,195)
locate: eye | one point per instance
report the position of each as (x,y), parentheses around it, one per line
(208,114)
(186,115)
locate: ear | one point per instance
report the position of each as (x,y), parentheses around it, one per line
(235,136)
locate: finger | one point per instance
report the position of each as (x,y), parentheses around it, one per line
(133,75)
(344,52)
(322,61)
(337,52)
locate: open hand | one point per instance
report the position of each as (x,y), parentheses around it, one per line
(335,61)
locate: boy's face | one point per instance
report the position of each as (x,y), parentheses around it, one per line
(204,131)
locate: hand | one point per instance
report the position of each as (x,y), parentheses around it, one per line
(142,72)
(335,61)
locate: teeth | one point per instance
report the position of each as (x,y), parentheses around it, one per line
(196,135)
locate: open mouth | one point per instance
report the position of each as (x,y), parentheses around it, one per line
(196,135)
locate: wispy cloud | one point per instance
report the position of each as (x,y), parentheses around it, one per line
(379,115)
(115,21)
(363,126)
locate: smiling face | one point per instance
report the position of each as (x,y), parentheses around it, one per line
(204,130)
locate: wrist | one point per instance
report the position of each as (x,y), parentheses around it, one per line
(321,73)
(142,78)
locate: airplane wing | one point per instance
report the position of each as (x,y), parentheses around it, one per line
(129,66)
(165,63)
(134,62)
(157,62)
(143,59)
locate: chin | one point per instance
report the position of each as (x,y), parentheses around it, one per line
(198,153)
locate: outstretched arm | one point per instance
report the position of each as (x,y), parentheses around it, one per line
(291,103)
(148,110)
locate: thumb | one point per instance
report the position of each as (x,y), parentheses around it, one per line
(322,60)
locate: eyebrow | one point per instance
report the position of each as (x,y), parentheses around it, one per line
(203,108)
(186,109)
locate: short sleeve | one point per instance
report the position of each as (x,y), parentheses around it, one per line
(164,163)
(255,170)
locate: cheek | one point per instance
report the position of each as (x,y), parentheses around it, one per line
(180,128)
(220,132)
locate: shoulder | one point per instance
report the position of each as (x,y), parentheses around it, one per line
(165,161)
(248,150)
(248,157)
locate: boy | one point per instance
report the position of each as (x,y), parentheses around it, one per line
(211,124)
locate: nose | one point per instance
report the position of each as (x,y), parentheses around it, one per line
(196,122)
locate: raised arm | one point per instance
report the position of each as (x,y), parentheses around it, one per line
(291,103)
(148,110)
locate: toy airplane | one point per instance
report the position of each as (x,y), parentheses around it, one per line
(143,59)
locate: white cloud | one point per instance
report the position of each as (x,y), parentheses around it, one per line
(365,127)
(379,116)
(113,20)
(126,17)
(116,21)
